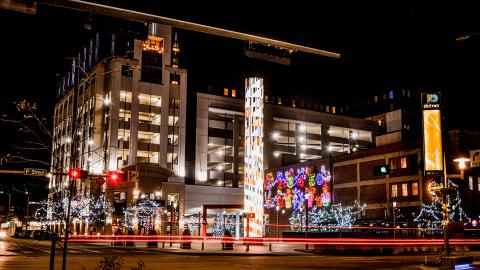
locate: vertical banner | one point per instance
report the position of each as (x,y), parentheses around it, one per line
(432,134)
(253,181)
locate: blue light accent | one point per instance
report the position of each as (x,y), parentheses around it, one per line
(390,94)
(462,266)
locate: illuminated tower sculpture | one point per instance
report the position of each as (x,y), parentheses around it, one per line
(253,187)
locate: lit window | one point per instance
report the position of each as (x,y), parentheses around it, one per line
(375,99)
(174,78)
(333,110)
(266,99)
(225,91)
(293,103)
(403,163)
(390,94)
(405,189)
(327,109)
(415,189)
(279,101)
(394,191)
(154,44)
(470,182)
(478,183)
(234,93)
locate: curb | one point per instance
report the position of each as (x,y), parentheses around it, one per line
(208,253)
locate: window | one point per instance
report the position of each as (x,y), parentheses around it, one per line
(405,189)
(225,91)
(470,182)
(327,108)
(234,93)
(403,162)
(390,94)
(375,99)
(175,79)
(478,183)
(415,189)
(394,191)
(334,110)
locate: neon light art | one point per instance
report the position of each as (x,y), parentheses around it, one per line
(297,188)
(253,181)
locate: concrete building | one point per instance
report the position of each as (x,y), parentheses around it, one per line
(291,135)
(129,110)
(125,108)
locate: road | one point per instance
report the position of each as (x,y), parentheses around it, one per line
(30,254)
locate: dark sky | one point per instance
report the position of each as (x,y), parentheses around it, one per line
(395,46)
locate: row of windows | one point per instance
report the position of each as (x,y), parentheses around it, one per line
(470,183)
(404,190)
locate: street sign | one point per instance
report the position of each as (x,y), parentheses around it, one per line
(34,172)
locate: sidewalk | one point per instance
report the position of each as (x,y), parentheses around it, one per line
(215,249)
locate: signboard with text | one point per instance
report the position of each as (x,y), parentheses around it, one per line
(35,172)
(432,134)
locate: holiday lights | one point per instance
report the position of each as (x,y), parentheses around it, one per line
(226,221)
(144,214)
(431,214)
(326,219)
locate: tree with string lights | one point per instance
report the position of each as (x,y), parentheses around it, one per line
(431,214)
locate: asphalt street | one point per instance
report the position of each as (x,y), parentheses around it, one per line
(31,254)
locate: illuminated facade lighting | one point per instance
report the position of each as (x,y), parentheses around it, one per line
(253,185)
(301,138)
(275,135)
(276,154)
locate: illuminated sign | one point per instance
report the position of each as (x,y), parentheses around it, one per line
(431,101)
(295,188)
(253,180)
(432,134)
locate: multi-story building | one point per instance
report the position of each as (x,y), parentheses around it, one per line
(126,109)
(122,109)
(290,135)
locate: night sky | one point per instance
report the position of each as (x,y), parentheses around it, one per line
(399,46)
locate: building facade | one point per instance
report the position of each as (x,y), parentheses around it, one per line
(125,111)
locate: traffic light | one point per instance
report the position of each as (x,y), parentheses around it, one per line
(381,170)
(76,173)
(115,176)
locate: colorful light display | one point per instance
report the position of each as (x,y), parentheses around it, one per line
(253,181)
(297,188)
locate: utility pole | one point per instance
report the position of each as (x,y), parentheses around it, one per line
(71,182)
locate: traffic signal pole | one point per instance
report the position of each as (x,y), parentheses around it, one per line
(71,184)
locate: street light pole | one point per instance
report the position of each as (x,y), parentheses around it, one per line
(277,208)
(394,219)
(306,220)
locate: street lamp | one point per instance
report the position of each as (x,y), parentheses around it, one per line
(467,36)
(394,218)
(462,165)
